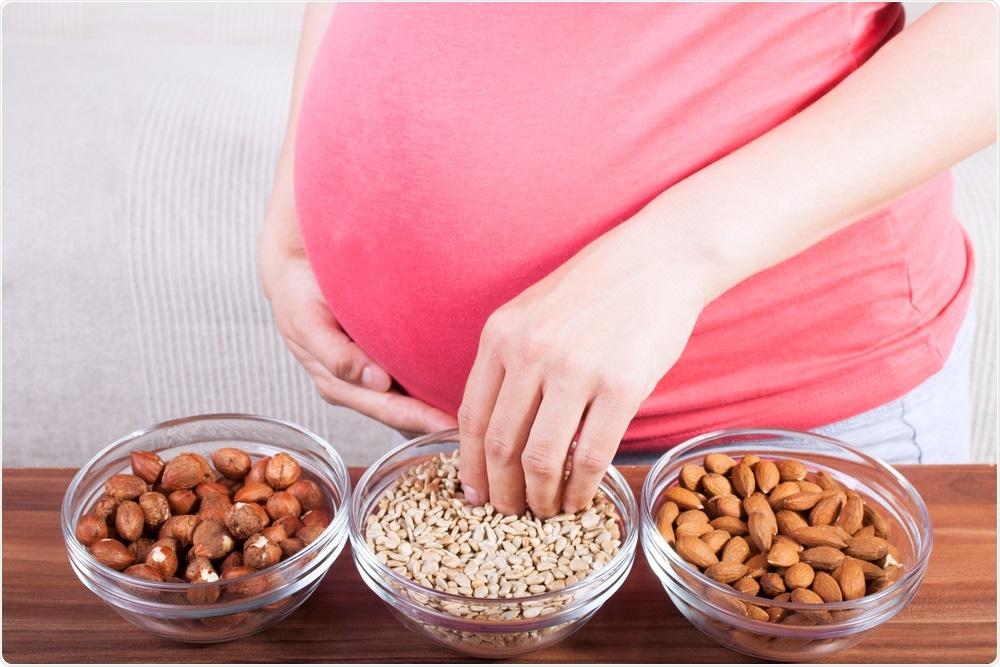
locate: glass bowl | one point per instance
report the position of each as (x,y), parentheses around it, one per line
(477,626)
(247,604)
(717,609)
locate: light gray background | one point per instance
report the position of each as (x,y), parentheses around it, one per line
(138,145)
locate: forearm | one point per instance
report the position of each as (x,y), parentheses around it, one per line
(919,105)
(280,234)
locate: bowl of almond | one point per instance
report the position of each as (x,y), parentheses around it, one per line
(207,528)
(783,545)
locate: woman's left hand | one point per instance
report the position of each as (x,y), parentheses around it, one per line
(588,343)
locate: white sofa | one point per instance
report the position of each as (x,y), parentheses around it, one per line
(138,147)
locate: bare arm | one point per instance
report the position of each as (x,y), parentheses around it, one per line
(342,372)
(590,341)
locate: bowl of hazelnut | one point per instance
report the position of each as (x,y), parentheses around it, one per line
(208,528)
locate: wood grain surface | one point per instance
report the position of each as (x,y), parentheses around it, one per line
(49,616)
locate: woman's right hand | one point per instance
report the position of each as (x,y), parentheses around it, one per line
(342,372)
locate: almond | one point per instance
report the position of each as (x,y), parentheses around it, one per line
(851,579)
(818,536)
(146,466)
(805,486)
(750,460)
(827,482)
(784,539)
(747,584)
(863,548)
(726,572)
(757,613)
(767,475)
(790,470)
(825,511)
(736,550)
(688,516)
(772,584)
(690,474)
(874,519)
(756,565)
(798,502)
(724,505)
(789,521)
(742,480)
(852,514)
(757,502)
(685,499)
(761,528)
(665,520)
(780,492)
(782,555)
(799,575)
(718,463)
(864,530)
(696,552)
(827,588)
(692,529)
(716,485)
(892,575)
(823,558)
(730,524)
(716,540)
(869,570)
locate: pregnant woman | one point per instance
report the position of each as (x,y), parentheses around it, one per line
(621,225)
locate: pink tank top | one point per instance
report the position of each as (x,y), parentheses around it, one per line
(450,155)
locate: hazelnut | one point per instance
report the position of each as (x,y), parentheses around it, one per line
(210,540)
(185,471)
(90,528)
(292,545)
(182,501)
(230,484)
(253,492)
(112,553)
(234,559)
(257,471)
(210,488)
(168,542)
(181,528)
(282,504)
(282,471)
(316,518)
(140,548)
(173,597)
(200,571)
(155,508)
(260,552)
(163,559)
(104,508)
(308,494)
(290,524)
(124,487)
(147,466)
(214,508)
(232,462)
(275,533)
(129,520)
(143,571)
(245,519)
(244,589)
(309,533)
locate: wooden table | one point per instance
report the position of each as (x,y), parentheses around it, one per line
(48,615)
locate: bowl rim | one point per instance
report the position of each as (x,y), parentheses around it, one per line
(912,574)
(624,557)
(335,527)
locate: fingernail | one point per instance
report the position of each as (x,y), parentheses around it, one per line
(371,377)
(472,495)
